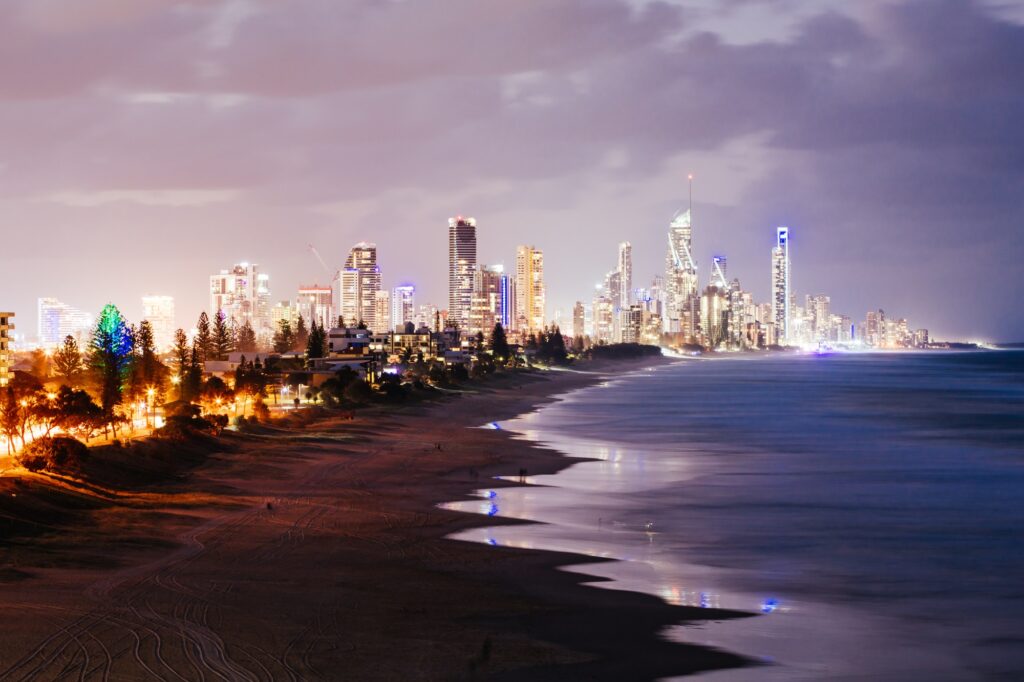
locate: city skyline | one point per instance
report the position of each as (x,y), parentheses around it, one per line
(205,150)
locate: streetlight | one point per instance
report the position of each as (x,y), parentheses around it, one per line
(151,405)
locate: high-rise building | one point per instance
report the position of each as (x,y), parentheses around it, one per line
(529,289)
(681,277)
(490,299)
(780,285)
(358,283)
(714,316)
(625,268)
(821,318)
(579,320)
(382,312)
(315,303)
(6,326)
(159,311)
(461,268)
(283,310)
(403,306)
(58,320)
(718,270)
(243,293)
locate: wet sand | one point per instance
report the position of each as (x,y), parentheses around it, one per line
(318,552)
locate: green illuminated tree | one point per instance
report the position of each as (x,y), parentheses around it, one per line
(110,353)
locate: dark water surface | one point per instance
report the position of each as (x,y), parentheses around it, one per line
(870,507)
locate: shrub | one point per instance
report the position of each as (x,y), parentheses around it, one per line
(59,454)
(358,392)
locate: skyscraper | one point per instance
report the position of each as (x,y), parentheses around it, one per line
(403,306)
(315,304)
(159,310)
(529,289)
(680,276)
(357,285)
(57,320)
(718,272)
(625,268)
(780,284)
(382,312)
(461,268)
(243,293)
(579,320)
(490,299)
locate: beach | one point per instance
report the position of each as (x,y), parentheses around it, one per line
(318,550)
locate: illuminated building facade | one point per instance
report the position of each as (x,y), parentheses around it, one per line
(403,306)
(780,285)
(6,326)
(58,320)
(315,303)
(490,299)
(243,293)
(625,270)
(382,312)
(681,306)
(529,289)
(461,268)
(358,284)
(159,311)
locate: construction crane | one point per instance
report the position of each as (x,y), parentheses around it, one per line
(317,254)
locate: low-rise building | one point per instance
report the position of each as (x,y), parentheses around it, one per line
(6,326)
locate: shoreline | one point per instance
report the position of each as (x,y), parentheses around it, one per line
(335,530)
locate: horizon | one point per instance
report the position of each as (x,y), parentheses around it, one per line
(151,145)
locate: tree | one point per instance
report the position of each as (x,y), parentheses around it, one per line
(284,338)
(301,334)
(67,361)
(110,354)
(182,357)
(40,364)
(222,341)
(194,375)
(147,370)
(246,341)
(204,338)
(499,342)
(316,345)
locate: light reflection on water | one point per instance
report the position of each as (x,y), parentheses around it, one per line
(858,503)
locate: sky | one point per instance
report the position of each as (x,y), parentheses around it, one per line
(146,144)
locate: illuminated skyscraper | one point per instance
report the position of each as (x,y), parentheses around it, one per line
(382,312)
(315,303)
(461,268)
(243,293)
(529,289)
(625,268)
(579,320)
(490,299)
(780,285)
(58,320)
(159,310)
(403,306)
(680,276)
(356,286)
(718,272)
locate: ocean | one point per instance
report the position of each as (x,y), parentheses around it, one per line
(868,508)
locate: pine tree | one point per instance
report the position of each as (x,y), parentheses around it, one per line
(301,334)
(222,341)
(499,342)
(193,382)
(110,355)
(284,339)
(68,361)
(316,345)
(152,370)
(181,360)
(246,341)
(203,339)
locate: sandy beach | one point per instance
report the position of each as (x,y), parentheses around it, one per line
(317,551)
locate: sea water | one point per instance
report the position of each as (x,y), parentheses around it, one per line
(868,508)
